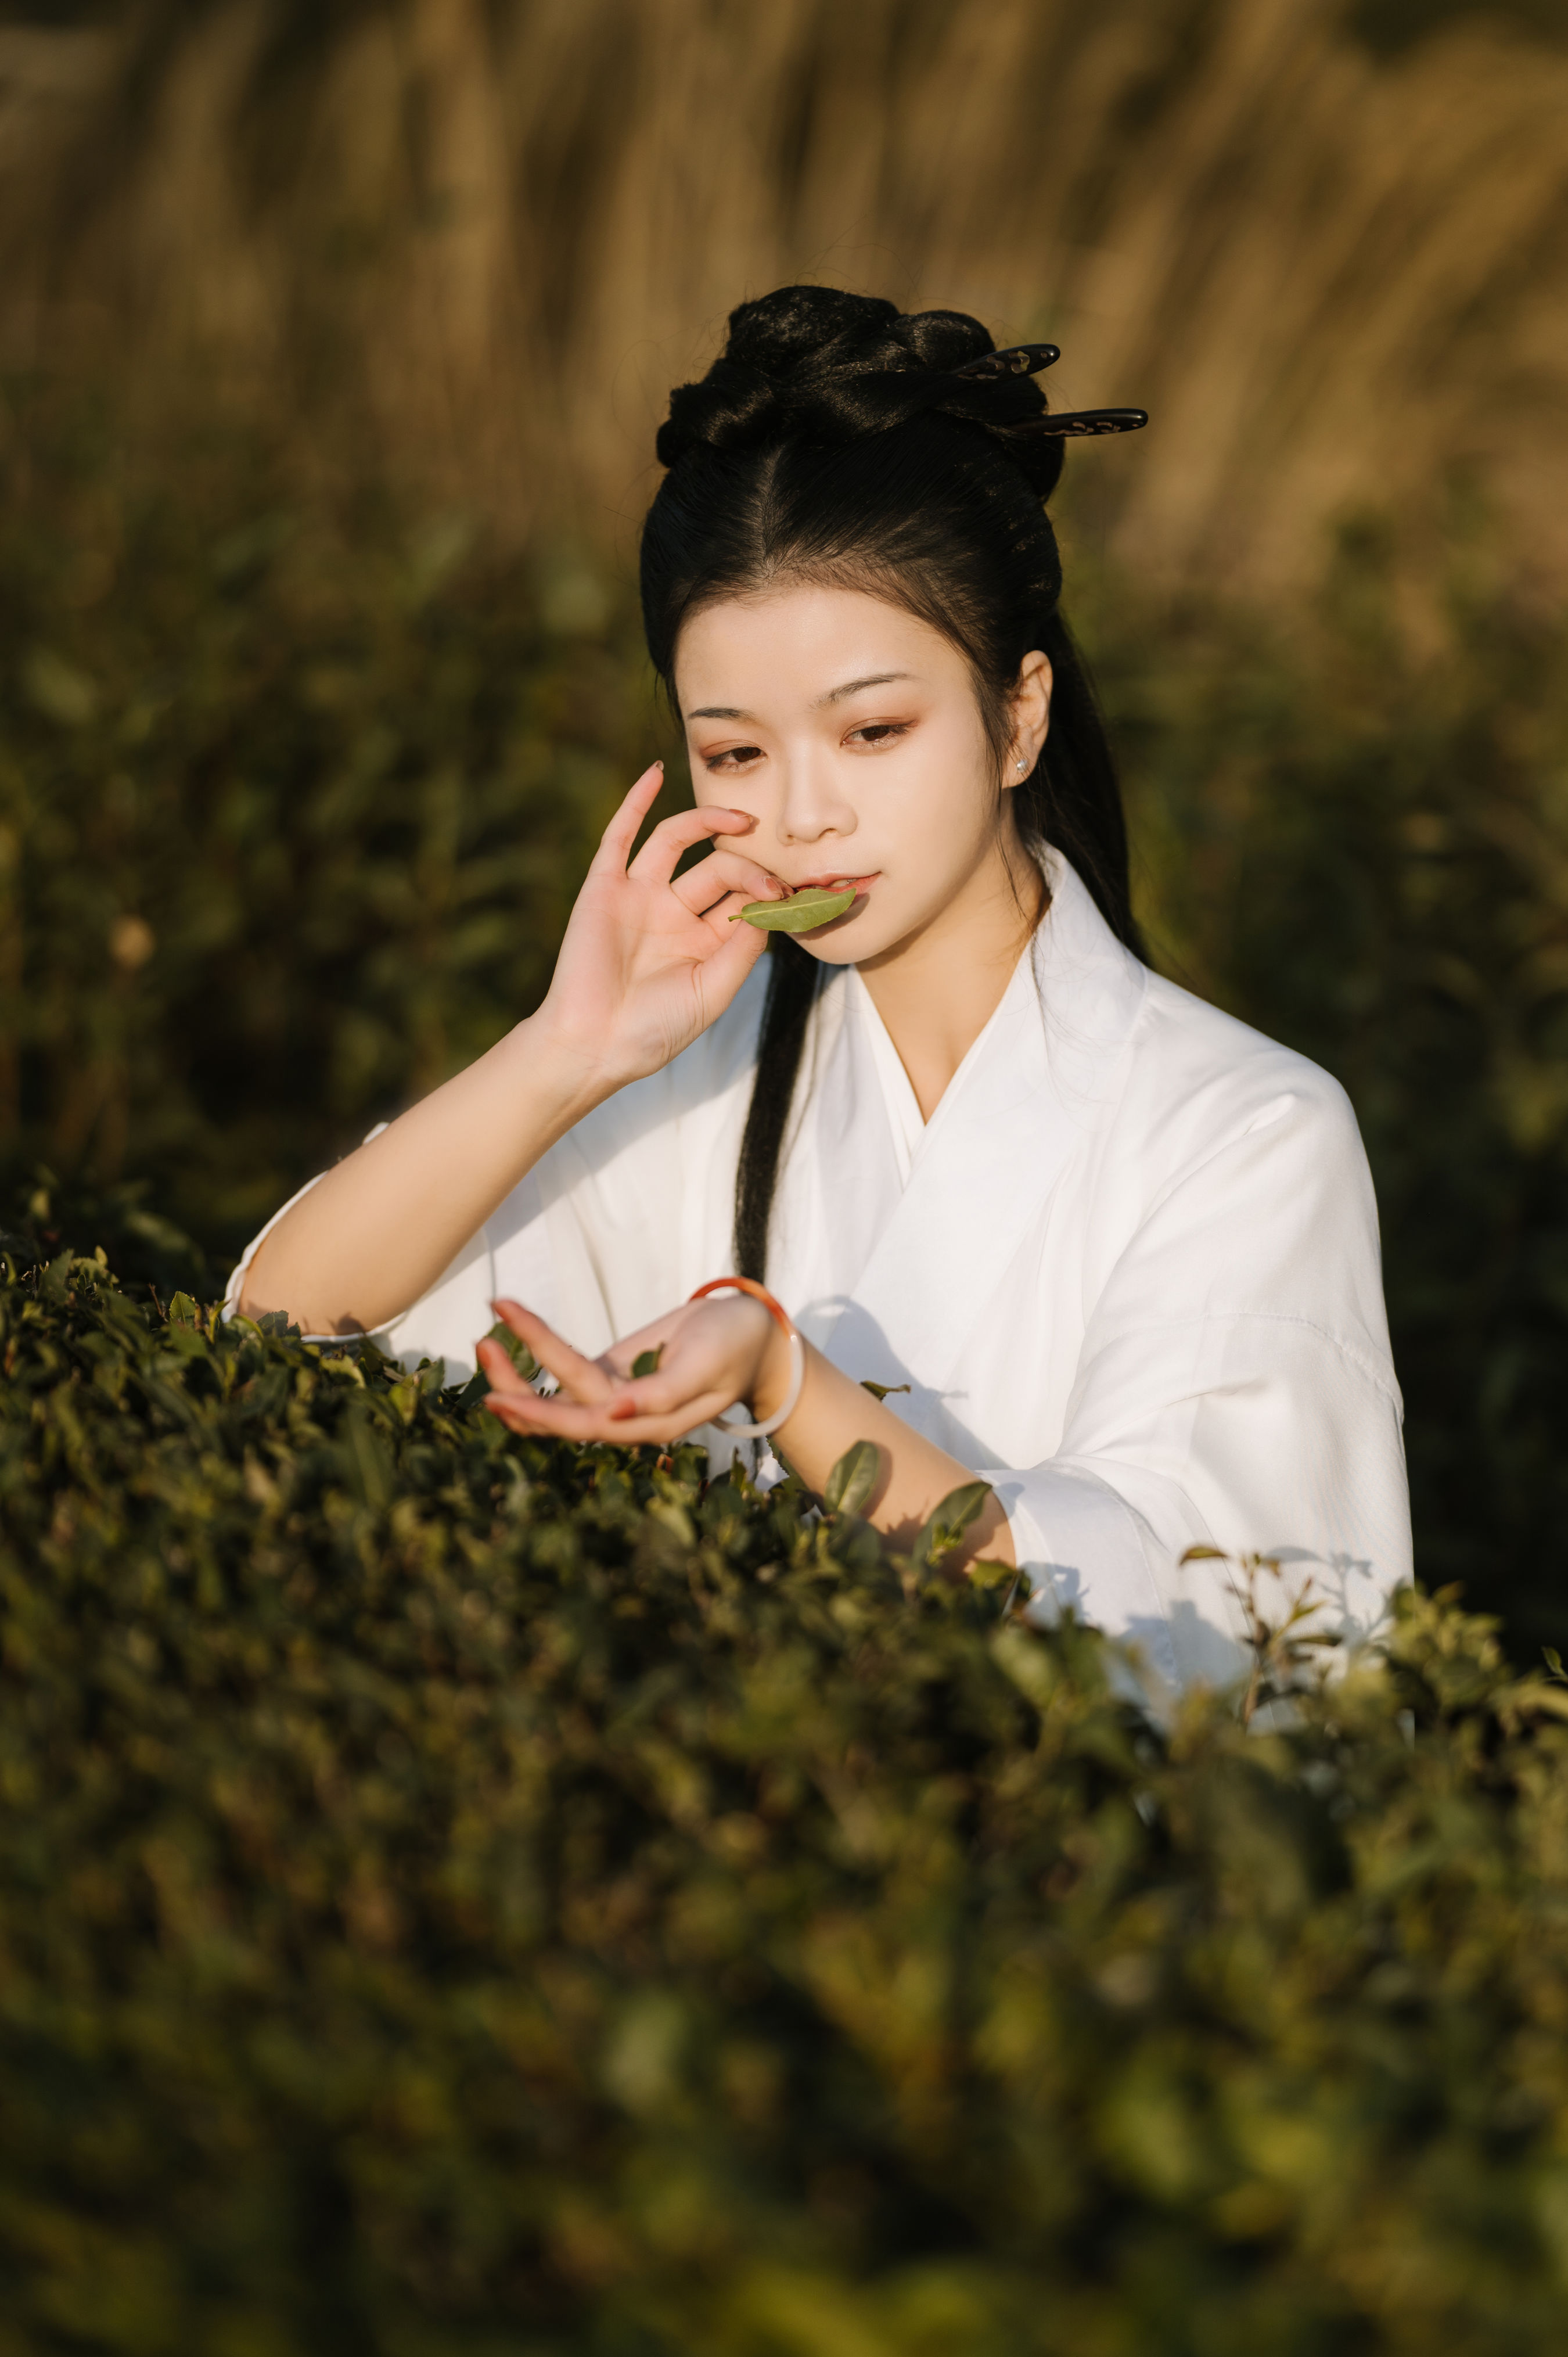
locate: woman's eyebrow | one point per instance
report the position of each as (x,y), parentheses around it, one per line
(833,695)
(872,679)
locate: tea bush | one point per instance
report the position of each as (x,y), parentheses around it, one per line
(460,1895)
(293,805)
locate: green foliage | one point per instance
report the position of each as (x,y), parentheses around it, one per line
(465,1894)
(291,814)
(117,1224)
(949,1521)
(852,1479)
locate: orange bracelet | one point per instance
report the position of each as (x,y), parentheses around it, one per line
(777,1312)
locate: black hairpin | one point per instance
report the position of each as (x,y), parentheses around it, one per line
(1083,421)
(1018,359)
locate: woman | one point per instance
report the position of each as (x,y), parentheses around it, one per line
(1105,1247)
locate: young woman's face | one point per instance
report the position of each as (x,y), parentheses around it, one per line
(849,731)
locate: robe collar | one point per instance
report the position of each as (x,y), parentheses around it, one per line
(1041,1079)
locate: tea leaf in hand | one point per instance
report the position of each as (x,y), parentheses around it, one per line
(516,1349)
(647,1361)
(852,1479)
(803,912)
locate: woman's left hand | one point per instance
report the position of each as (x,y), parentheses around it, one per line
(712,1353)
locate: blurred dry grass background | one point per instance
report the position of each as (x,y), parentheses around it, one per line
(469,243)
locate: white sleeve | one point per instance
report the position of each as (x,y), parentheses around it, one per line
(1234,1390)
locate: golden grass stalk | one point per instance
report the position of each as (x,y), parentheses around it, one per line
(472,245)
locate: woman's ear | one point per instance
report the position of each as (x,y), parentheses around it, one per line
(1031,712)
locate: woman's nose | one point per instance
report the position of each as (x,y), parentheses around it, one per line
(814,804)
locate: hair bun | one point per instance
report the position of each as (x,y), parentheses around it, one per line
(810,362)
(778,331)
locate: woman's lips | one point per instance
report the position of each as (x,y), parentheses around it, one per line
(835,876)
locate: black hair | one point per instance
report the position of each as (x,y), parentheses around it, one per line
(837,441)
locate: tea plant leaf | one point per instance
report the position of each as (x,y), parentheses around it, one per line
(516,1349)
(647,1361)
(950,1521)
(852,1479)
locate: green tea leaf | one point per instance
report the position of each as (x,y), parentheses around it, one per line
(881,1390)
(647,1361)
(803,912)
(950,1521)
(517,1349)
(852,1479)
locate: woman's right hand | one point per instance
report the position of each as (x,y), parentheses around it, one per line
(649,959)
(647,964)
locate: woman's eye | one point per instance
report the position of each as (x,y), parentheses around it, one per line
(734,757)
(879,732)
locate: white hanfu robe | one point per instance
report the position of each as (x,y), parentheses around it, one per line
(1129,1270)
